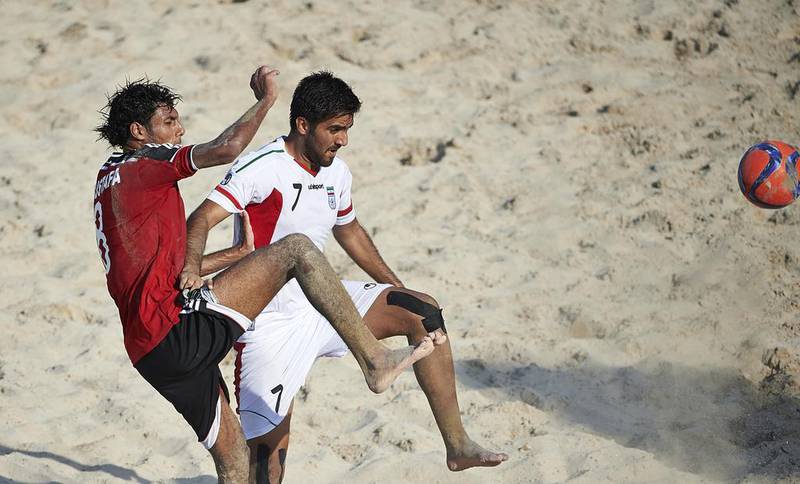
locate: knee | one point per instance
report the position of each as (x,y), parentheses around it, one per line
(428,299)
(421,312)
(295,247)
(297,242)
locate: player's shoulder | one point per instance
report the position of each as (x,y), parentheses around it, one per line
(339,167)
(116,159)
(157,152)
(264,157)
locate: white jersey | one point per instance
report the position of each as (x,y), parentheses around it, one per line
(282,197)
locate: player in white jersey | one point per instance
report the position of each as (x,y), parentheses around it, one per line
(297,184)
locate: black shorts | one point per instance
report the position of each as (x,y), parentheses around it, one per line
(184,367)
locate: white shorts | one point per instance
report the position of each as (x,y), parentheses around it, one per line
(274,358)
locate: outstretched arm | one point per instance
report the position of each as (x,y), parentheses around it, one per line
(200,222)
(231,142)
(359,246)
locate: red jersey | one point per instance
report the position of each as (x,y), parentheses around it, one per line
(140,225)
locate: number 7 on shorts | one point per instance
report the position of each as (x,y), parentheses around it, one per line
(279,390)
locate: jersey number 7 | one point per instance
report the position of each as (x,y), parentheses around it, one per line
(299,188)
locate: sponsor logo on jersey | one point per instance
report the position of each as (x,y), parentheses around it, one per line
(315,186)
(227,179)
(331,198)
(369,285)
(112,178)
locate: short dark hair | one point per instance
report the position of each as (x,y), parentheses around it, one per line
(322,96)
(136,101)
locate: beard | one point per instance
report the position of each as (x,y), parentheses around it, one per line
(316,155)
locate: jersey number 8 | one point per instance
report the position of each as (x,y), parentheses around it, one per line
(102,243)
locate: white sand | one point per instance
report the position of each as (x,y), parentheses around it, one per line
(608,291)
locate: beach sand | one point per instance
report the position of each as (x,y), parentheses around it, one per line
(561,176)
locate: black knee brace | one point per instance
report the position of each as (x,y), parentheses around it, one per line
(431,315)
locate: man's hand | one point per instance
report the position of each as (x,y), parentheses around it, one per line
(231,142)
(264,85)
(189,279)
(248,241)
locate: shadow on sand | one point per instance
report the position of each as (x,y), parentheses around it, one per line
(707,421)
(110,469)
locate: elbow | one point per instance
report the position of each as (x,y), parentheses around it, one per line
(205,217)
(193,223)
(197,221)
(227,152)
(220,153)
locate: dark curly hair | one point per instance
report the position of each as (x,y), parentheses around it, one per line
(322,96)
(136,101)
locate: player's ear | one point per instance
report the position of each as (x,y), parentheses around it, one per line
(302,125)
(138,131)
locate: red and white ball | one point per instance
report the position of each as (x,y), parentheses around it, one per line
(768,174)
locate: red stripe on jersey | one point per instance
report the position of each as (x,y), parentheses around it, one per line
(344,212)
(314,173)
(229,196)
(237,371)
(264,217)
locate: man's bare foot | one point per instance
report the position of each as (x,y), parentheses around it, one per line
(383,370)
(473,455)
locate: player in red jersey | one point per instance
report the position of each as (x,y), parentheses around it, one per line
(177,342)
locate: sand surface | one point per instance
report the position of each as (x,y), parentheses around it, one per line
(560,175)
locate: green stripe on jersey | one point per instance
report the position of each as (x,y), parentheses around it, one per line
(257,158)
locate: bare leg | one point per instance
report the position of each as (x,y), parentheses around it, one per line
(436,377)
(251,283)
(230,450)
(268,454)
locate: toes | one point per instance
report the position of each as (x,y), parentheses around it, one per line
(498,458)
(438,337)
(427,343)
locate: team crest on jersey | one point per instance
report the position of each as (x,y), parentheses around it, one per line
(331,198)
(227,178)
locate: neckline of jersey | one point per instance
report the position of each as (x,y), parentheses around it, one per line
(304,167)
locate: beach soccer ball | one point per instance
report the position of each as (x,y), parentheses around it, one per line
(768,174)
